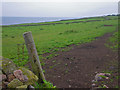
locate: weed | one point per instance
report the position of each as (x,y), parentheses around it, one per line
(46,84)
(52,66)
(70,31)
(117,77)
(111,80)
(66,71)
(6,35)
(102,76)
(43,71)
(12,36)
(116,86)
(113,42)
(41,29)
(54,61)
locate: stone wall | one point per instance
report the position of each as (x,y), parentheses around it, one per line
(12,76)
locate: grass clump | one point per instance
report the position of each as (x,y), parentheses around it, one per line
(46,84)
(113,41)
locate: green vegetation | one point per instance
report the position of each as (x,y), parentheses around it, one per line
(54,37)
(113,41)
(46,84)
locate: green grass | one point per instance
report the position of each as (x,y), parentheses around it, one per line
(113,41)
(46,84)
(50,38)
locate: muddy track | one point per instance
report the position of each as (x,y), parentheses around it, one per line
(76,68)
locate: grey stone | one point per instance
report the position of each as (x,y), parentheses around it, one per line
(98,78)
(14,83)
(8,66)
(19,75)
(32,78)
(1,78)
(93,81)
(25,78)
(6,83)
(0,85)
(0,72)
(10,77)
(31,87)
(22,87)
(0,63)
(93,85)
(4,77)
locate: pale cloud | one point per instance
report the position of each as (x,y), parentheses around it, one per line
(58,9)
(60,0)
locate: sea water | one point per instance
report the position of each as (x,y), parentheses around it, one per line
(21,20)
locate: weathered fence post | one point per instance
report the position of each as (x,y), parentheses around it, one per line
(33,56)
(18,51)
(23,51)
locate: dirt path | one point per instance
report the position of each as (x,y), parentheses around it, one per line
(76,68)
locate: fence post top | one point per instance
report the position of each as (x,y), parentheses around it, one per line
(27,33)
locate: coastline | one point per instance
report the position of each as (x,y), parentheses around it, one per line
(47,21)
(62,21)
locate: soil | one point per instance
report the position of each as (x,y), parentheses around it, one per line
(77,67)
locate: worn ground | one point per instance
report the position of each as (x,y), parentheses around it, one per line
(77,67)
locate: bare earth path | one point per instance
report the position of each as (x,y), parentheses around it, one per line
(76,68)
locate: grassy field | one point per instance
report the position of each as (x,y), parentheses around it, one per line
(50,38)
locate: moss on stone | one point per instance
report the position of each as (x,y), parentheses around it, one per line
(32,78)
(14,83)
(22,87)
(8,66)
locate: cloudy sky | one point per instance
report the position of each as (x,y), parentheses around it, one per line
(58,8)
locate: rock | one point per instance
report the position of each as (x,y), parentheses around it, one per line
(107,74)
(31,87)
(98,78)
(32,78)
(19,75)
(93,81)
(10,77)
(58,76)
(8,66)
(0,85)
(23,87)
(111,67)
(14,83)
(107,78)
(93,85)
(0,63)
(4,77)
(105,86)
(4,86)
(6,83)
(69,86)
(0,72)
(0,78)
(25,78)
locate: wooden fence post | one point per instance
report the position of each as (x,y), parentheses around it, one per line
(18,51)
(23,51)
(33,56)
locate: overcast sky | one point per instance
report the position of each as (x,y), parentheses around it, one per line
(58,9)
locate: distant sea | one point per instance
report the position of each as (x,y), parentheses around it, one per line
(20,20)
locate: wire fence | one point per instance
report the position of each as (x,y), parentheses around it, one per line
(20,50)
